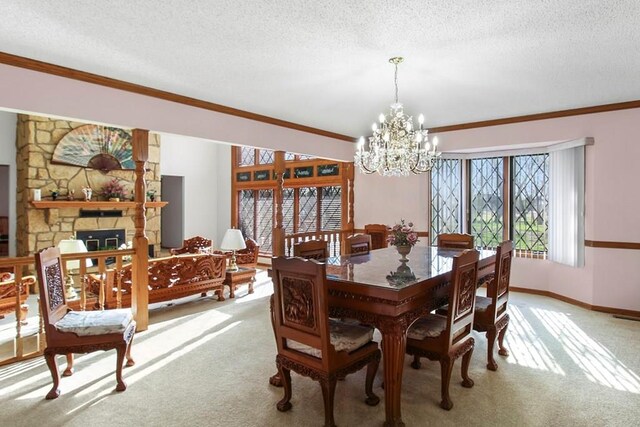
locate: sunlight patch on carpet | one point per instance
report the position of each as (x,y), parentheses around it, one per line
(596,361)
(526,348)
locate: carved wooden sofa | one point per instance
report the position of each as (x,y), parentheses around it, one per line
(8,294)
(169,278)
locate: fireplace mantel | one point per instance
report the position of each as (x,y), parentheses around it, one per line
(46,204)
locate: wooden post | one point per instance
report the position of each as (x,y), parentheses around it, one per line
(278,197)
(140,260)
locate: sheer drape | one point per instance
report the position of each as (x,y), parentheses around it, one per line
(566,206)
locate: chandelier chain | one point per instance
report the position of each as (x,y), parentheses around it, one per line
(396,81)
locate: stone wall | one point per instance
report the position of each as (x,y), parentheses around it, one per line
(40,228)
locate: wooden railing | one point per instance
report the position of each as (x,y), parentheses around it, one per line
(20,264)
(334,238)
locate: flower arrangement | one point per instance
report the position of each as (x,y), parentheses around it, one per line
(402,234)
(113,190)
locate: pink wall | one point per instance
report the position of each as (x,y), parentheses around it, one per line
(31,91)
(611,277)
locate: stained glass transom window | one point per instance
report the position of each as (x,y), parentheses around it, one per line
(247,156)
(266,157)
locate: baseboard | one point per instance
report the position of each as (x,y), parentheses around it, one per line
(602,309)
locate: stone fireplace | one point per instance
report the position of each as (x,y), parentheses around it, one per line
(39,228)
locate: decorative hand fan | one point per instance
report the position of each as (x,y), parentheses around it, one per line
(97,147)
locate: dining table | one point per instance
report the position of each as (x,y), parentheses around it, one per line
(387,290)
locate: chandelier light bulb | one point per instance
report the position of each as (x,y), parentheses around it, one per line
(381,118)
(435,141)
(374,127)
(421,119)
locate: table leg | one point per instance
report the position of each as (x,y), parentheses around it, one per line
(232,290)
(394,342)
(253,279)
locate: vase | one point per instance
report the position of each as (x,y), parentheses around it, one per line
(403,250)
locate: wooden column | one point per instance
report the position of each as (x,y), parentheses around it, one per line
(140,260)
(278,197)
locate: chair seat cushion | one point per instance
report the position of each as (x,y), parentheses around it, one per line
(345,336)
(430,326)
(482,304)
(95,322)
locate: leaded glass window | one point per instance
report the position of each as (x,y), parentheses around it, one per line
(247,156)
(288,207)
(266,157)
(486,201)
(446,196)
(308,209)
(289,156)
(305,157)
(246,212)
(264,226)
(331,208)
(530,199)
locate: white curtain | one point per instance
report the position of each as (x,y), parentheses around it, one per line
(566,206)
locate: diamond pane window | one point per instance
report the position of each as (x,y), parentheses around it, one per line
(308,209)
(266,157)
(289,156)
(446,195)
(331,208)
(264,226)
(288,209)
(530,199)
(246,212)
(487,205)
(247,156)
(305,157)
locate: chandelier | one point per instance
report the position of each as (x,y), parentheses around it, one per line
(396,147)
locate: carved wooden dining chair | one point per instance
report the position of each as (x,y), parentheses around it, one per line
(310,343)
(311,249)
(491,311)
(193,245)
(446,338)
(455,241)
(358,244)
(378,233)
(69,332)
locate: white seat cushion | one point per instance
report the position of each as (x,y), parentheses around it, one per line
(344,337)
(95,322)
(429,326)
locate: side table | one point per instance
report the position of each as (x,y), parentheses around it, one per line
(239,277)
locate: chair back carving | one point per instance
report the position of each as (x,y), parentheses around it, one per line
(498,288)
(51,287)
(358,244)
(311,249)
(193,245)
(455,241)
(378,233)
(462,295)
(301,305)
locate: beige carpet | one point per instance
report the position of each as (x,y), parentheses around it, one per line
(206,363)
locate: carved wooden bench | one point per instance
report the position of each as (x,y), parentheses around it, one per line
(169,278)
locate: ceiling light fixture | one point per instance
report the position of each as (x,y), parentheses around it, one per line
(396,147)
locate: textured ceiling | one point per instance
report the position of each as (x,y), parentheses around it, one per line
(324,63)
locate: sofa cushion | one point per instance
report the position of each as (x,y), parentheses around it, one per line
(344,337)
(95,322)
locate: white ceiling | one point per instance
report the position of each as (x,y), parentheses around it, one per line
(324,63)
